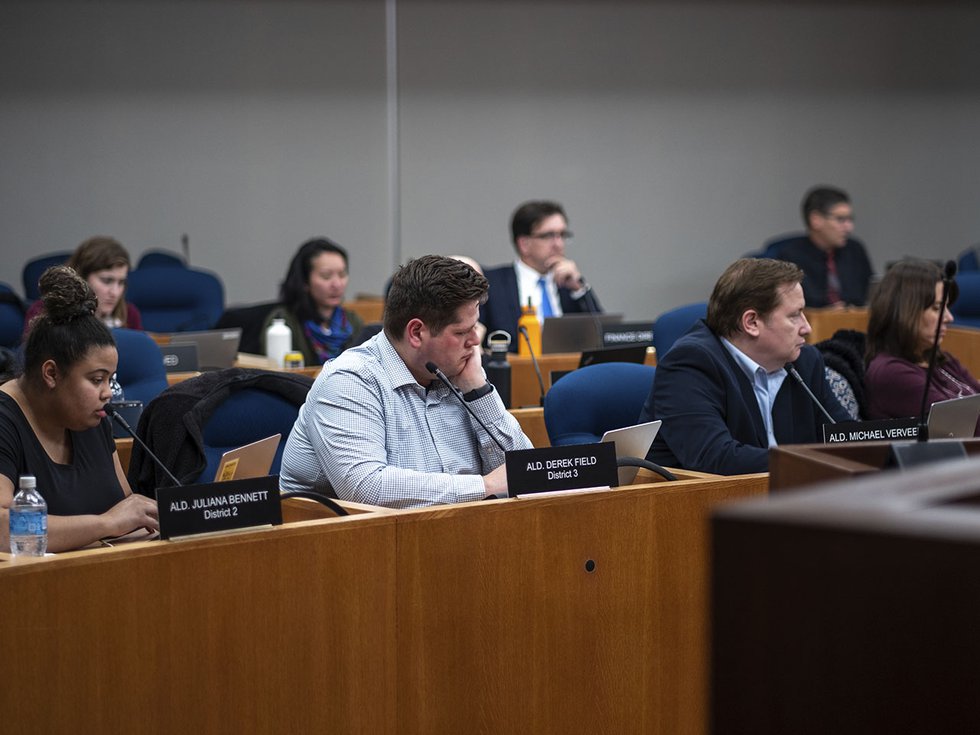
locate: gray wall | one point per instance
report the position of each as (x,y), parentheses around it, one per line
(678,135)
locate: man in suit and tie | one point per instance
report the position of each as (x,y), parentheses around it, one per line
(838,270)
(541,273)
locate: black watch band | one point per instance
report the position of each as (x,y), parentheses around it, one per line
(477,393)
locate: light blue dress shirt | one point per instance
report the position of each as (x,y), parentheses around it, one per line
(765,385)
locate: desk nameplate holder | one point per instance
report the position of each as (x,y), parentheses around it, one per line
(571,467)
(871,431)
(215,507)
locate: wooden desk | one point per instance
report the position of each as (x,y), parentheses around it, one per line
(525,391)
(963,342)
(370,309)
(851,608)
(124,448)
(796,465)
(532,424)
(824,322)
(481,617)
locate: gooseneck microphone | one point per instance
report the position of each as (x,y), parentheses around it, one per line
(434,369)
(114,415)
(791,369)
(534,361)
(949,272)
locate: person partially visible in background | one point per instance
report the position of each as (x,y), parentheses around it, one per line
(103,263)
(902,321)
(311,302)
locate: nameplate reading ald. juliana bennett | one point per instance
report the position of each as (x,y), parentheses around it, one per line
(219,506)
(561,468)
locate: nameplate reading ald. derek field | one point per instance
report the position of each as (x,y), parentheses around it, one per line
(219,506)
(561,468)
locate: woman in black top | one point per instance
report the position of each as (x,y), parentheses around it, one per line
(53,426)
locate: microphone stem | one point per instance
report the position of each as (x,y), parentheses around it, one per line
(128,429)
(534,361)
(459,395)
(799,379)
(923,433)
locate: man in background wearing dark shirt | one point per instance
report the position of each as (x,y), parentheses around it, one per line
(836,267)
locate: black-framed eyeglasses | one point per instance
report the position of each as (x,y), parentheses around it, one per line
(553,235)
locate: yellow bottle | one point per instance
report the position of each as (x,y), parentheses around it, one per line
(529,321)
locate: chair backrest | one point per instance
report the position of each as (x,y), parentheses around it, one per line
(244,417)
(176,299)
(590,401)
(969,260)
(141,372)
(35,267)
(12,314)
(772,247)
(250,319)
(161,259)
(670,325)
(966,310)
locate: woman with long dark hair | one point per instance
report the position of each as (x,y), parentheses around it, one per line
(312,297)
(904,315)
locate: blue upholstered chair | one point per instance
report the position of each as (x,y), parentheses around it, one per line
(670,325)
(590,401)
(772,247)
(176,299)
(141,372)
(35,267)
(966,310)
(12,314)
(161,259)
(969,259)
(245,417)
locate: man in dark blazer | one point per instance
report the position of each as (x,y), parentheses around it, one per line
(836,266)
(723,392)
(539,231)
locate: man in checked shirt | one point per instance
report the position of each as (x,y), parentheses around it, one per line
(379,428)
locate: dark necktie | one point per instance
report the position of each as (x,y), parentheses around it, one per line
(833,281)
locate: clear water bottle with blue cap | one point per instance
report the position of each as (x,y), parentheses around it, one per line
(28,520)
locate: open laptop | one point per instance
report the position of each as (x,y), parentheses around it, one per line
(251,460)
(955,418)
(216,348)
(574,332)
(632,441)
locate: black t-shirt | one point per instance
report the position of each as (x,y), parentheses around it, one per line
(87,485)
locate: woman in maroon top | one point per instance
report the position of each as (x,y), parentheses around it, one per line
(104,264)
(901,328)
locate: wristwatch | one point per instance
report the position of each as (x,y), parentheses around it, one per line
(478,392)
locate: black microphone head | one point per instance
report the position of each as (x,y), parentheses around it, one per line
(523,330)
(950,270)
(432,368)
(109,409)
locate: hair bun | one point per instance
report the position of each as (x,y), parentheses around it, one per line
(66,297)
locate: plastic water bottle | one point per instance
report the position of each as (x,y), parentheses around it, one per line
(497,367)
(278,342)
(28,520)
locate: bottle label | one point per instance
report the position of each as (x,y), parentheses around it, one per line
(29,523)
